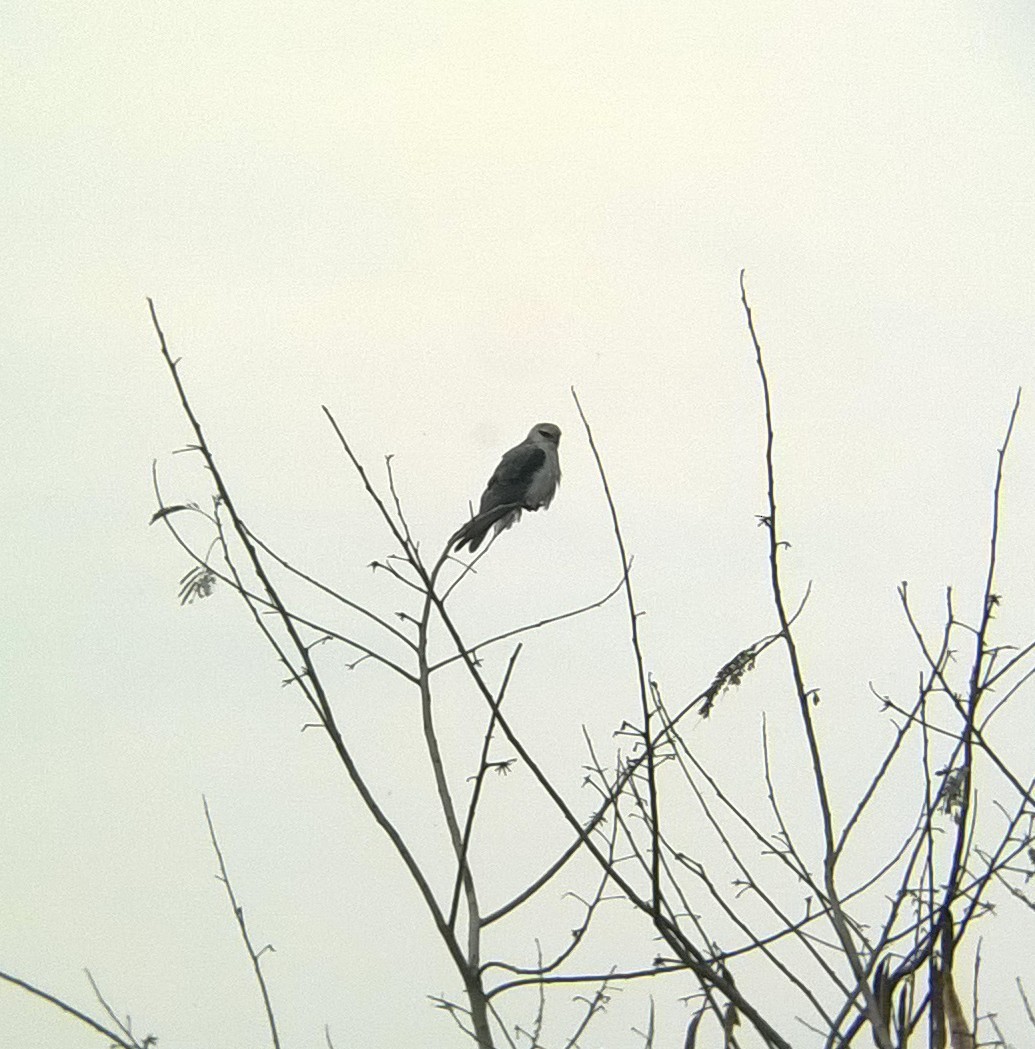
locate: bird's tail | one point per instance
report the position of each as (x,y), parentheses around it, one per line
(474,531)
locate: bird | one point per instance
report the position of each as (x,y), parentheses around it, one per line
(526,479)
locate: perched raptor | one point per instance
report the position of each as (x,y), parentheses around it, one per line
(526,479)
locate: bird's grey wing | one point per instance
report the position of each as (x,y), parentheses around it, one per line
(509,483)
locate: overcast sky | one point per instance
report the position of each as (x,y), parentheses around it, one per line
(435,218)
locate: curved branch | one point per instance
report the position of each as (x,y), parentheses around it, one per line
(72,1011)
(571,613)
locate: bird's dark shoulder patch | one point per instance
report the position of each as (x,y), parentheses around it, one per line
(518,466)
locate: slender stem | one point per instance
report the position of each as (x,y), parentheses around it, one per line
(837,917)
(320,698)
(975,688)
(330,591)
(641,674)
(479,779)
(253,954)
(116,1040)
(463,875)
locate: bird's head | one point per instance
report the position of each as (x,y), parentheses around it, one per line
(545,432)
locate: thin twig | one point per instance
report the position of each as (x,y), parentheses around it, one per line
(641,672)
(254,955)
(82,1017)
(836,915)
(319,694)
(472,806)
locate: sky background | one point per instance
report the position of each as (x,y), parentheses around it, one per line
(436,218)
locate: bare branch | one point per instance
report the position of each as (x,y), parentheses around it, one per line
(253,954)
(123,1040)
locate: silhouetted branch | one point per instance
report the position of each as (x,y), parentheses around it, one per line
(125,1040)
(255,956)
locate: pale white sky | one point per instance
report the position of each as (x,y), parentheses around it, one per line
(436,217)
